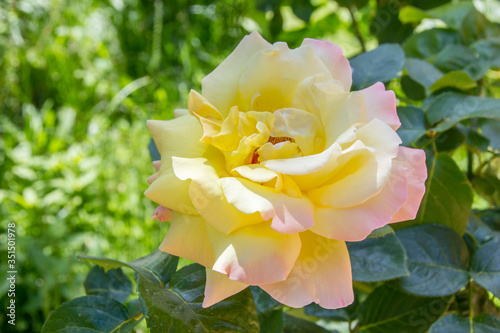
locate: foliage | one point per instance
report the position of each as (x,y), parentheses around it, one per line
(77,88)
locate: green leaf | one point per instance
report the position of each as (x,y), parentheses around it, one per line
(388,310)
(452,14)
(422,71)
(412,124)
(381,64)
(153,151)
(457,79)
(482,232)
(90,314)
(348,313)
(380,232)
(178,307)
(453,57)
(485,266)
(491,130)
(377,259)
(293,324)
(437,260)
(484,323)
(430,42)
(157,266)
(271,321)
(412,89)
(476,142)
(112,284)
(263,301)
(410,14)
(476,26)
(453,108)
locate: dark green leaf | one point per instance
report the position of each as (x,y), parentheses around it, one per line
(453,107)
(157,266)
(381,64)
(429,43)
(453,57)
(452,14)
(380,232)
(437,260)
(449,140)
(476,26)
(412,89)
(377,259)
(485,266)
(484,323)
(89,314)
(112,284)
(153,151)
(481,231)
(271,321)
(476,141)
(293,324)
(422,71)
(348,313)
(448,196)
(412,124)
(178,308)
(488,49)
(388,310)
(457,79)
(491,130)
(263,301)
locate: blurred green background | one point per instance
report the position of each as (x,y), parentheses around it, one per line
(79,79)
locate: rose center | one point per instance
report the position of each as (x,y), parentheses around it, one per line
(273,140)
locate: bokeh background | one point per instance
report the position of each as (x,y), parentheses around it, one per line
(79,79)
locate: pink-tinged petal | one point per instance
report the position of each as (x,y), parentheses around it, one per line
(289,214)
(162,213)
(220,287)
(206,194)
(333,57)
(381,104)
(221,86)
(414,161)
(322,274)
(156,165)
(356,223)
(254,254)
(187,237)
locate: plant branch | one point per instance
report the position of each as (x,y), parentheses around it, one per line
(356,28)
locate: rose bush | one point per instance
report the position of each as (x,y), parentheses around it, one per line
(275,165)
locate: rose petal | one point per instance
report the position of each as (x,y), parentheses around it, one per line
(221,86)
(333,57)
(414,161)
(289,214)
(381,104)
(162,213)
(364,175)
(206,195)
(268,83)
(187,237)
(219,287)
(254,254)
(322,274)
(356,223)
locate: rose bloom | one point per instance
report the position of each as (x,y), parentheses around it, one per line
(275,165)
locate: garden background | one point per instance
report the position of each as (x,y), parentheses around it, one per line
(79,79)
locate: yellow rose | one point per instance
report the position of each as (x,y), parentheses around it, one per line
(275,165)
